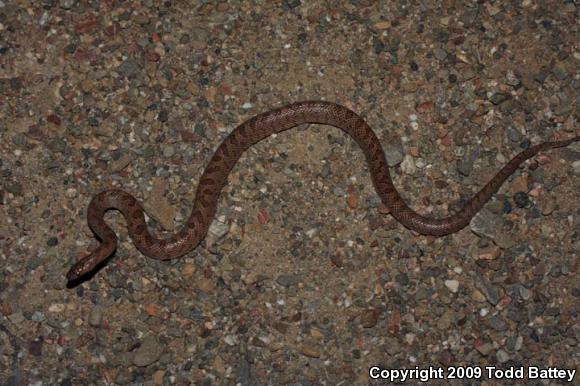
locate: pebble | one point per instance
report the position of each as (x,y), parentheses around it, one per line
(68,4)
(35,347)
(522,200)
(157,377)
(393,153)
(392,346)
(116,165)
(96,316)
(204,284)
(452,285)
(287,280)
(502,356)
(512,79)
(576,168)
(445,321)
(489,253)
(484,349)
(198,38)
(217,230)
(497,323)
(524,293)
(499,98)
(370,317)
(513,134)
(148,353)
(440,53)
(160,209)
(488,290)
(465,165)
(547,205)
(54,307)
(485,224)
(408,165)
(128,68)
(311,351)
(187,270)
(169,151)
(560,71)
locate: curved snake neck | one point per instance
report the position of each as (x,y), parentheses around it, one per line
(227,154)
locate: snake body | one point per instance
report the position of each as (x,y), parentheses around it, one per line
(227,154)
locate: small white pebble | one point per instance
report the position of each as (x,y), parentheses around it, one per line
(452,285)
(408,165)
(71,193)
(311,232)
(230,340)
(56,307)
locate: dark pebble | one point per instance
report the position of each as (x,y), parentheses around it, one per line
(51,242)
(542,75)
(70,48)
(497,323)
(128,68)
(291,4)
(513,134)
(369,317)
(507,206)
(402,279)
(93,121)
(163,116)
(15,84)
(287,280)
(525,144)
(518,314)
(498,98)
(465,166)
(488,290)
(35,347)
(522,200)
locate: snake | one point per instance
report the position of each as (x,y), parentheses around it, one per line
(251,131)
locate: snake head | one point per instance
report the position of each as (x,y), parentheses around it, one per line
(88,263)
(81,268)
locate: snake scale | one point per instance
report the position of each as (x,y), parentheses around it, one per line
(227,154)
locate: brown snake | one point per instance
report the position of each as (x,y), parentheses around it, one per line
(227,154)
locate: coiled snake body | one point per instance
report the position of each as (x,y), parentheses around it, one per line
(225,157)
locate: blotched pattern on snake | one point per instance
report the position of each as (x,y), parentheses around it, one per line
(227,154)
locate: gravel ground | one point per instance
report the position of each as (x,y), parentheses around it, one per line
(304,280)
